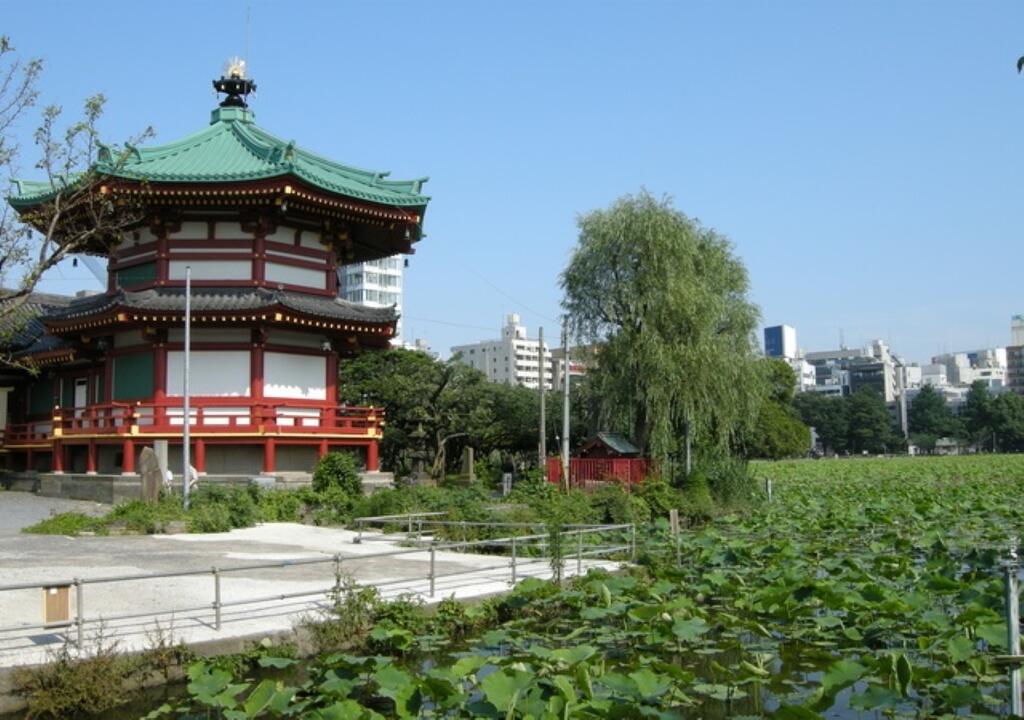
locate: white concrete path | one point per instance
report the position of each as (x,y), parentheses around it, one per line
(183,606)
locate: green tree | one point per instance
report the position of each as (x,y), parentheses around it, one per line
(828,416)
(778,431)
(1008,422)
(930,417)
(449,400)
(666,299)
(76,217)
(978,415)
(870,425)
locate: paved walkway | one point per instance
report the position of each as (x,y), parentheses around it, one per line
(183,605)
(21,509)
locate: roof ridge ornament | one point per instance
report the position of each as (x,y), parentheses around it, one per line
(235,84)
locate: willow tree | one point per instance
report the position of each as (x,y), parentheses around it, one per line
(665,299)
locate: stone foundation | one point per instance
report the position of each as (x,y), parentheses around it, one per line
(113,489)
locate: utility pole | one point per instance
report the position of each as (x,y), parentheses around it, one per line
(186,412)
(565,403)
(543,447)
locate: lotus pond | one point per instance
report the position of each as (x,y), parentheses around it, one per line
(863,590)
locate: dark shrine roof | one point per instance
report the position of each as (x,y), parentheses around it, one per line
(222,300)
(22,330)
(617,442)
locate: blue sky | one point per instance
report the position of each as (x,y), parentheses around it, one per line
(864,157)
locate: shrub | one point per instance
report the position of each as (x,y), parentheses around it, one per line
(338,469)
(347,622)
(659,496)
(69,523)
(333,506)
(237,502)
(209,518)
(280,505)
(69,687)
(144,517)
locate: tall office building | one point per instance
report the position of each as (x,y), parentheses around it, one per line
(513,359)
(780,341)
(375,283)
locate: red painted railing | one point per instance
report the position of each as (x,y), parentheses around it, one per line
(233,415)
(588,473)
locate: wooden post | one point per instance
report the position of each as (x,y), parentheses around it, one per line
(200,456)
(1013,628)
(372,458)
(90,458)
(57,464)
(128,457)
(269,456)
(432,566)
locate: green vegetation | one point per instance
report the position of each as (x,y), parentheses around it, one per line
(438,408)
(666,300)
(778,431)
(867,586)
(858,423)
(336,499)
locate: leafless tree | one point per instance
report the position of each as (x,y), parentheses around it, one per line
(74,215)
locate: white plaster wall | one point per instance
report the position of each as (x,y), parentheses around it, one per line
(211,269)
(295,416)
(310,239)
(294,376)
(200,251)
(191,231)
(283,234)
(276,272)
(219,373)
(230,230)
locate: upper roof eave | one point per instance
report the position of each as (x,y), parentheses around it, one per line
(234,149)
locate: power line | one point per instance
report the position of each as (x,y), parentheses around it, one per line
(509,297)
(446,322)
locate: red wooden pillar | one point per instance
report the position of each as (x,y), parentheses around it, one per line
(269,455)
(259,254)
(128,457)
(90,458)
(322,450)
(372,460)
(256,376)
(162,257)
(57,464)
(332,379)
(159,383)
(199,456)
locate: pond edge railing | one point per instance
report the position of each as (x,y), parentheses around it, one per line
(515,543)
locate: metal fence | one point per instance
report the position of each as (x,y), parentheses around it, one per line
(577,544)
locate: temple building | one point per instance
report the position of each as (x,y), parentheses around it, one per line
(263,226)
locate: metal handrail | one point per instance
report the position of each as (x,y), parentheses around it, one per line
(515,543)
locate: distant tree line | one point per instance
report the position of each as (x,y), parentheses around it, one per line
(861,422)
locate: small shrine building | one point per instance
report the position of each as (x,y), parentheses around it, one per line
(264,226)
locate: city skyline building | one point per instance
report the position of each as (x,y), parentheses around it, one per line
(514,358)
(375,284)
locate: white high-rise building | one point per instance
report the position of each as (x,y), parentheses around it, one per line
(513,359)
(376,283)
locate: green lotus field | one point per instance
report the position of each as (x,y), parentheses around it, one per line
(867,588)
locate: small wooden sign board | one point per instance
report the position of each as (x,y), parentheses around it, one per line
(57,606)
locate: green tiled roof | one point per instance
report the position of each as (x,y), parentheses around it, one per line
(234,149)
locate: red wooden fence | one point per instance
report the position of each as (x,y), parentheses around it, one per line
(588,473)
